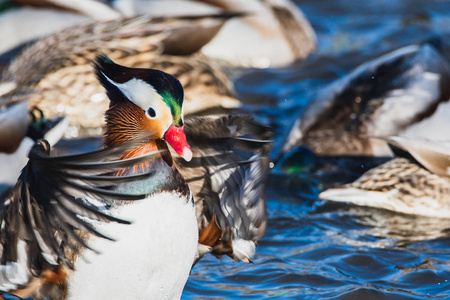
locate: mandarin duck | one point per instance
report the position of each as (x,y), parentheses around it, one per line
(404,92)
(209,200)
(416,182)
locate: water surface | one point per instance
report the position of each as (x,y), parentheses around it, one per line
(319,250)
(315,249)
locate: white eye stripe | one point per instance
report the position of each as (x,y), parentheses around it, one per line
(139,92)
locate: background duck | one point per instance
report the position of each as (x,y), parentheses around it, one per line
(225,173)
(19,129)
(55,75)
(280,26)
(141,42)
(391,95)
(14,119)
(274,34)
(416,182)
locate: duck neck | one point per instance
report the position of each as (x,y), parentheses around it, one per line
(166,177)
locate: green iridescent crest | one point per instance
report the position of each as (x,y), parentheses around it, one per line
(175,108)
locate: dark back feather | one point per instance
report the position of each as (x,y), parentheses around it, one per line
(227,173)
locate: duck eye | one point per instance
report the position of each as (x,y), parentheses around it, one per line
(151,112)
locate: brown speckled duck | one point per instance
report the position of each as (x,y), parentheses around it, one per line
(416,182)
(279,25)
(54,73)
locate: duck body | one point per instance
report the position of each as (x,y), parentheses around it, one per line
(159,247)
(415,182)
(383,97)
(279,25)
(149,259)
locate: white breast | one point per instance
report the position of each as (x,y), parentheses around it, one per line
(150,259)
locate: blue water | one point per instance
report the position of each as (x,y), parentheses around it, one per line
(319,250)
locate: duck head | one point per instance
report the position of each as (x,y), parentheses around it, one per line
(143,102)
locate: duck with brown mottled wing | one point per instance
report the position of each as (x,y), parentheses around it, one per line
(416,182)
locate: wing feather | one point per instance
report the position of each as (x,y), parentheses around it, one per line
(48,207)
(226,176)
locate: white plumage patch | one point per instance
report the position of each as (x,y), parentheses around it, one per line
(139,92)
(360,197)
(390,200)
(150,259)
(243,249)
(15,274)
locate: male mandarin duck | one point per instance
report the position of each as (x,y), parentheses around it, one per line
(416,182)
(208,199)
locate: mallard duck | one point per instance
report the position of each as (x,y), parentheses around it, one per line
(14,120)
(416,182)
(54,73)
(279,25)
(19,129)
(275,33)
(204,197)
(17,123)
(64,85)
(383,97)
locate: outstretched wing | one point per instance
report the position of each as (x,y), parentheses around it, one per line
(226,176)
(42,213)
